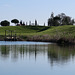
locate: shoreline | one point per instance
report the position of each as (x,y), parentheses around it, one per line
(60,34)
(60,41)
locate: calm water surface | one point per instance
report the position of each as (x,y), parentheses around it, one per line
(36,58)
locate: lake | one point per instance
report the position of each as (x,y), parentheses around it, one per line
(36,58)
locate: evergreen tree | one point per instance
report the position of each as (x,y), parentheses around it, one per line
(35,22)
(21,22)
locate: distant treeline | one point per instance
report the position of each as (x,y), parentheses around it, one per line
(17,23)
(58,20)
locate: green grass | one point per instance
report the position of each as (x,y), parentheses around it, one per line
(23,30)
(62,31)
(42,32)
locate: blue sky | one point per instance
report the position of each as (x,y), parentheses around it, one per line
(29,10)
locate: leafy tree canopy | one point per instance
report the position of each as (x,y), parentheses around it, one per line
(15,21)
(60,19)
(5,23)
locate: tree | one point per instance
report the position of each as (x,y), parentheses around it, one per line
(60,19)
(44,24)
(21,22)
(52,15)
(5,23)
(73,22)
(56,21)
(26,23)
(62,16)
(65,20)
(35,22)
(29,22)
(15,21)
(50,20)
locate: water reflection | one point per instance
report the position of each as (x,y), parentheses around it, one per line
(54,53)
(20,51)
(60,54)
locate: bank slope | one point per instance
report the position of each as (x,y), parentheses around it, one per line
(22,29)
(60,34)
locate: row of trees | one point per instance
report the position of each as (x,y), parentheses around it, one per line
(60,19)
(7,23)
(16,22)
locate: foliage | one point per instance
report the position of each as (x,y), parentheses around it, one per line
(43,33)
(22,23)
(23,30)
(35,22)
(15,21)
(5,23)
(60,19)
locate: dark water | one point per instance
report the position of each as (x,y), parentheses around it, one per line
(36,58)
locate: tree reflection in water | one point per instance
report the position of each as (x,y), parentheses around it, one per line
(21,51)
(56,54)
(60,54)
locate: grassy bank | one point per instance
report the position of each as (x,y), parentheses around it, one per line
(60,34)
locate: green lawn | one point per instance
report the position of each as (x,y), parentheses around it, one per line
(42,32)
(64,31)
(23,30)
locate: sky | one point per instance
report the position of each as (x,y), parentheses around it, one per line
(29,10)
